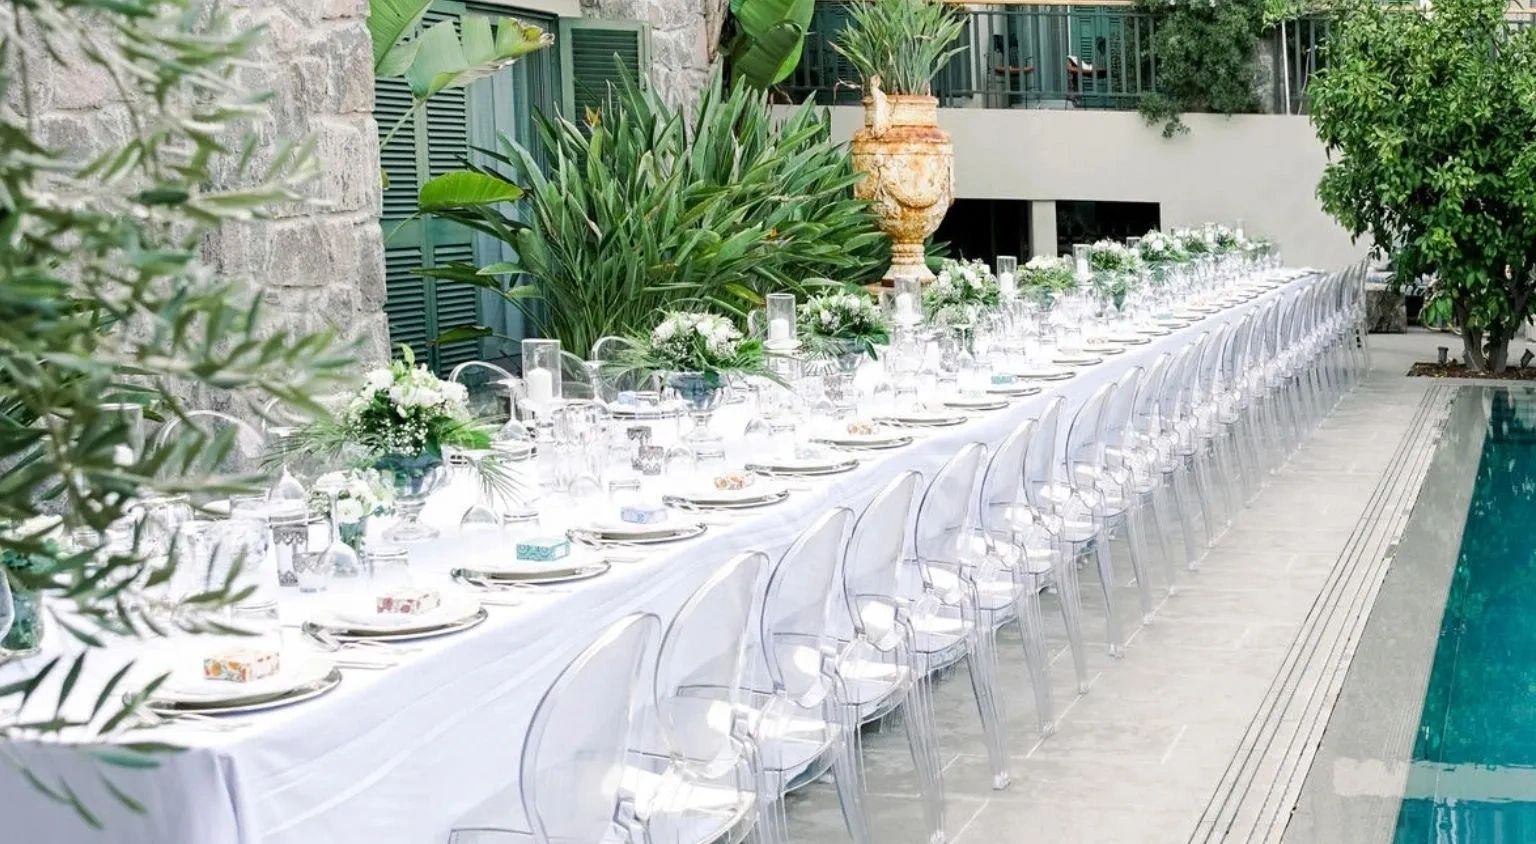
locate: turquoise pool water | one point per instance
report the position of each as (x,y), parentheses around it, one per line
(1473,775)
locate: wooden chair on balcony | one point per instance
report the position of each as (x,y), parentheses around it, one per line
(1007,76)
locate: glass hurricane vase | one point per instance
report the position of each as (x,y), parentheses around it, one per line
(844,361)
(701,393)
(414,483)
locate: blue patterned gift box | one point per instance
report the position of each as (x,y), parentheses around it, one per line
(544,549)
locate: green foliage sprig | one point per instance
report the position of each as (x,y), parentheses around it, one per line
(643,210)
(103,298)
(1205,53)
(903,42)
(1429,121)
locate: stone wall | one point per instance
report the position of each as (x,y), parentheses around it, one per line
(317,264)
(683,38)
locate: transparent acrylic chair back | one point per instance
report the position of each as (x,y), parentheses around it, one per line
(574,755)
(796,613)
(699,669)
(945,510)
(875,548)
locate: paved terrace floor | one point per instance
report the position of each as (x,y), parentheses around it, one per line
(1138,758)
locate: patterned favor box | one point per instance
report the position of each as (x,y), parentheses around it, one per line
(544,549)
(643,514)
(408,601)
(240,665)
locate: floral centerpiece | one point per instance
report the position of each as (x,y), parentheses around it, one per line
(1225,239)
(961,293)
(694,353)
(1159,248)
(405,422)
(1114,266)
(350,498)
(834,324)
(1112,256)
(1043,272)
(1196,241)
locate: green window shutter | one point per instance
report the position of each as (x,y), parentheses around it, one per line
(435,141)
(587,67)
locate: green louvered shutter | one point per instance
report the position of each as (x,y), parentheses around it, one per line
(587,66)
(435,142)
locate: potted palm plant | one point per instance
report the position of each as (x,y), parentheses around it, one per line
(898,46)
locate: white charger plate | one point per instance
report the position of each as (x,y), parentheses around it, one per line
(925,418)
(706,495)
(358,615)
(188,687)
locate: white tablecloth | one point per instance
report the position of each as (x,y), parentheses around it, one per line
(395,757)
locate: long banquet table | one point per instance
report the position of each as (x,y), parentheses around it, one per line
(397,756)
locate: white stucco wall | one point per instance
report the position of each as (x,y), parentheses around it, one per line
(1262,168)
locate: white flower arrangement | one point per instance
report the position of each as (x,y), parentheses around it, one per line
(961,292)
(1194,241)
(1222,239)
(1043,272)
(1159,248)
(404,409)
(694,342)
(835,319)
(359,493)
(1112,256)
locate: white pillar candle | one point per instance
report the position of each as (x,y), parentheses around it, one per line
(778,330)
(904,304)
(541,385)
(1082,269)
(1006,284)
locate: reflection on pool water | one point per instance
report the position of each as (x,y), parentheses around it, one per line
(1473,777)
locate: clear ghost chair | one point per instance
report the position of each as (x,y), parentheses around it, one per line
(800,722)
(490,389)
(1029,566)
(1072,534)
(1178,444)
(578,379)
(237,445)
(1095,495)
(1117,483)
(694,773)
(878,663)
(1210,458)
(943,599)
(1138,452)
(610,380)
(569,778)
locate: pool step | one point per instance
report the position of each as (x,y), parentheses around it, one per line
(1261,785)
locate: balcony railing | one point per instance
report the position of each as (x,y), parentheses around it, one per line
(1032,56)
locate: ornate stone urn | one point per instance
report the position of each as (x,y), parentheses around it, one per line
(909,174)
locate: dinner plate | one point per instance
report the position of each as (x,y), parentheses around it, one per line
(805,466)
(1105,348)
(981,402)
(490,577)
(1076,359)
(728,500)
(345,633)
(925,418)
(880,439)
(1044,373)
(644,412)
(1171,323)
(676,530)
(1014,390)
(189,691)
(358,616)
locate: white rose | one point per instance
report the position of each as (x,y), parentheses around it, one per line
(378,379)
(349,511)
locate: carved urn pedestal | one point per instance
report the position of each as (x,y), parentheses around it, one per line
(909,175)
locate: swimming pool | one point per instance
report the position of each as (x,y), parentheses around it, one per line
(1472,775)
